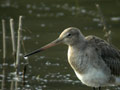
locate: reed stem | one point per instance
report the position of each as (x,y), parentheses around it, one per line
(18,51)
(13,38)
(4,55)
(12,85)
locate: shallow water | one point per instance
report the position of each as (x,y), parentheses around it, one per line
(43,21)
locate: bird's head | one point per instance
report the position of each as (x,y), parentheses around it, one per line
(69,36)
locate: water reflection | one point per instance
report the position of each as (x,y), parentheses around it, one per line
(115,18)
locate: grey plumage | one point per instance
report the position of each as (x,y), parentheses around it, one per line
(109,54)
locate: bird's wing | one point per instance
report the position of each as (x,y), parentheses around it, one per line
(108,53)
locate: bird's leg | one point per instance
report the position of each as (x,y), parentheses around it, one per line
(99,88)
(94,88)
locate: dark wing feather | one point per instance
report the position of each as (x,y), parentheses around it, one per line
(108,53)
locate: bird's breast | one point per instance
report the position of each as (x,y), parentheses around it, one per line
(77,60)
(83,64)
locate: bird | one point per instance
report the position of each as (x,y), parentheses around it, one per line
(95,62)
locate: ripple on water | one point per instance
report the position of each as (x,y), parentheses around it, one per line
(115,18)
(43,7)
(96,20)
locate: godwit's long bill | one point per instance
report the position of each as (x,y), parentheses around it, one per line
(95,62)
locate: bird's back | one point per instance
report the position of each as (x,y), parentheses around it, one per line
(109,54)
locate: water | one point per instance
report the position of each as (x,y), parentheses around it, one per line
(43,21)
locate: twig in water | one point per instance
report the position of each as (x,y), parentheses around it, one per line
(25,65)
(24,73)
(105,28)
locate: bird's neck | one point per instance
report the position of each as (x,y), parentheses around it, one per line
(75,56)
(78,45)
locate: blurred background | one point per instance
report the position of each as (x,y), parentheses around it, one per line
(43,21)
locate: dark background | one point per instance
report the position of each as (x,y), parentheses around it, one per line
(43,21)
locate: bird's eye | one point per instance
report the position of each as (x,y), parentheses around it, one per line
(69,35)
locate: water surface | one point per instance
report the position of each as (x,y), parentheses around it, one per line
(43,21)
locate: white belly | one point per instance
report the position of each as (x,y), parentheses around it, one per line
(93,78)
(117,80)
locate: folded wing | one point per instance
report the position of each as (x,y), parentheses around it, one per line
(109,54)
